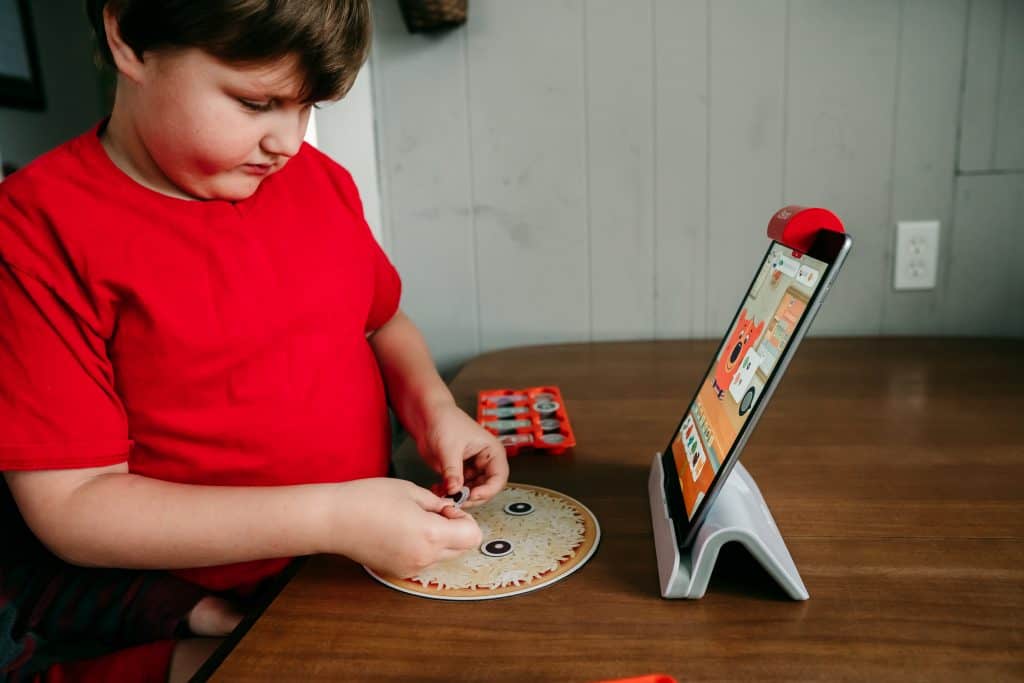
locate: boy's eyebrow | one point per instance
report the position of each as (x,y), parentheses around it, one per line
(281,81)
(280,89)
(269,95)
(270,92)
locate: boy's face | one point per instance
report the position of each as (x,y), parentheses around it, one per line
(214,130)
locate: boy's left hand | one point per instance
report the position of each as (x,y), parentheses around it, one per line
(464,454)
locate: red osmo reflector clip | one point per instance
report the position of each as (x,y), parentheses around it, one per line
(797,226)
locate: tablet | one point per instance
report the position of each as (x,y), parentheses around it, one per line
(786,293)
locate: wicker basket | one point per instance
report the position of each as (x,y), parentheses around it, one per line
(426,16)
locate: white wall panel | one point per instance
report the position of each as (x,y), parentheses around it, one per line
(981,84)
(594,169)
(681,167)
(924,151)
(619,114)
(748,48)
(423,120)
(1009,128)
(843,65)
(528,147)
(986,280)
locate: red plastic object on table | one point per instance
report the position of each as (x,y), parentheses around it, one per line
(533,417)
(650,678)
(797,226)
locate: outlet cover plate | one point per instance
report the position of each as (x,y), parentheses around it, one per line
(917,255)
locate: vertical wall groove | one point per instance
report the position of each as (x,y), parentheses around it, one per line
(889,256)
(999,85)
(475,267)
(654,170)
(963,90)
(706,317)
(783,200)
(586,179)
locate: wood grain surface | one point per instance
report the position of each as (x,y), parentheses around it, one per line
(894,468)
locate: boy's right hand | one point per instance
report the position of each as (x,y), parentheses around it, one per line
(397,528)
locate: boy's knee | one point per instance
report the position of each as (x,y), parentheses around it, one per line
(213,616)
(188,656)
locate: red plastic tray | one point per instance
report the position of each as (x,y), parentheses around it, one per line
(533,417)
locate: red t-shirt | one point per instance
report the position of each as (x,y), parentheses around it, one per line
(205,342)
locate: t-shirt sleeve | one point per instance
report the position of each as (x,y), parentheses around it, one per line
(58,406)
(387,290)
(387,285)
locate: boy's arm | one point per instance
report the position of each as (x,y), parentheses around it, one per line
(108,517)
(444,434)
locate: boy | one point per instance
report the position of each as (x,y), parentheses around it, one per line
(197,328)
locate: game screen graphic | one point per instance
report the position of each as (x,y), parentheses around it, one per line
(766,322)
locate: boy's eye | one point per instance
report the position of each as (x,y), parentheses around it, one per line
(255,106)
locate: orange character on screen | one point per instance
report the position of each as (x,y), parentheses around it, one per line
(743,337)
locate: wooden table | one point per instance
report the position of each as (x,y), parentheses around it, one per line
(894,468)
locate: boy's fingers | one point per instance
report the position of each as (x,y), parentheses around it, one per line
(431,500)
(489,488)
(493,478)
(452,477)
(493,460)
(468,534)
(460,534)
(452,512)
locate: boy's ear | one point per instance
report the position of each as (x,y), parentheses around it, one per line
(128,63)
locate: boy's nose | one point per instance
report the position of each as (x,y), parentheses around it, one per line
(285,138)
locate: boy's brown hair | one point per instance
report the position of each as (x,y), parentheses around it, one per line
(331,38)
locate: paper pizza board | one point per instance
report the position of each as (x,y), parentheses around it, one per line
(552,542)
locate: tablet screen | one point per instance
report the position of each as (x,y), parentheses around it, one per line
(775,304)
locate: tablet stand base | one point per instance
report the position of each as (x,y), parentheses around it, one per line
(739,513)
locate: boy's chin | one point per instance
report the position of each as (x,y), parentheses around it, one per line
(232,189)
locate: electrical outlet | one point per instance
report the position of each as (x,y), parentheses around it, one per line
(917,255)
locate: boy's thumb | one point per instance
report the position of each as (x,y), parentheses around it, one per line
(452,475)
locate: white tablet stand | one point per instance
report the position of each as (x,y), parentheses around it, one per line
(739,513)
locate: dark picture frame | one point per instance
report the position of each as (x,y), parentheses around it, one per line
(21,84)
